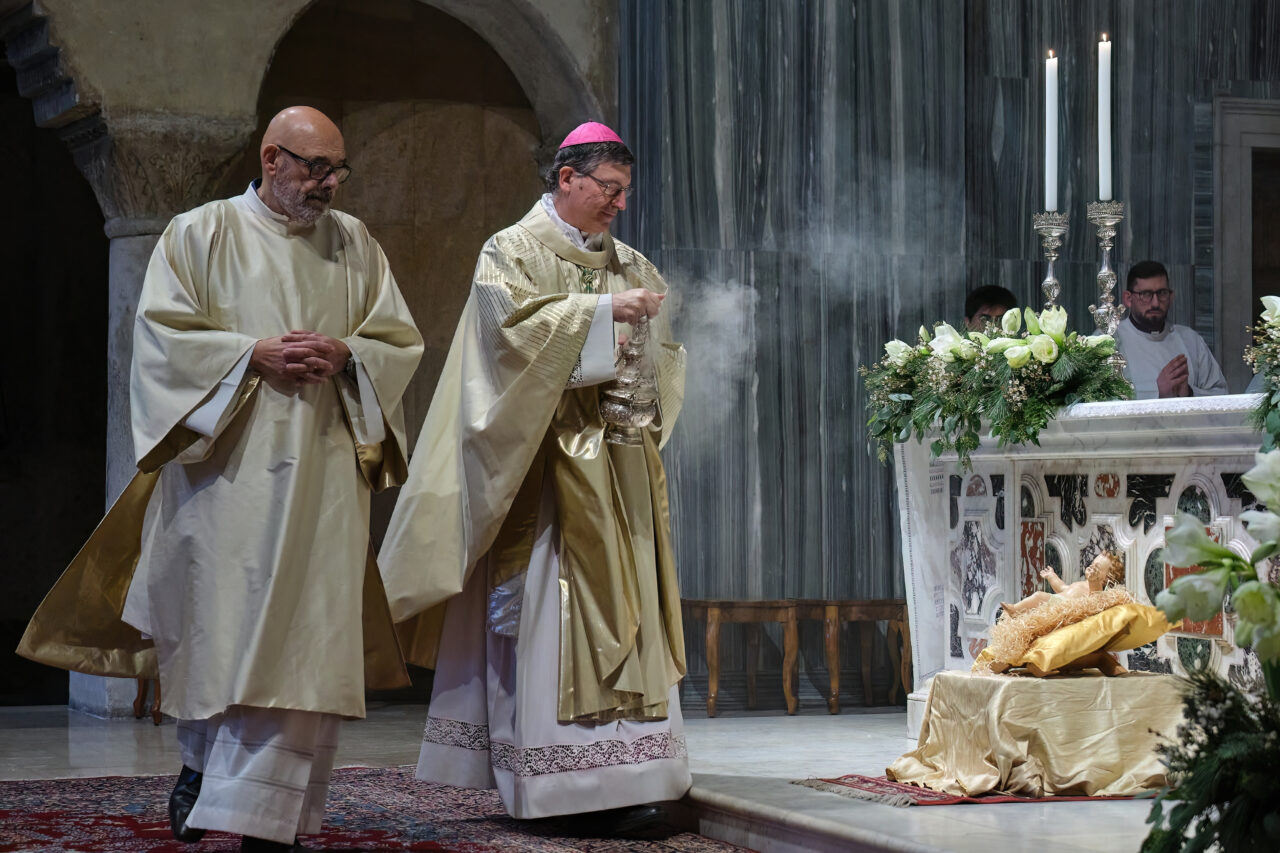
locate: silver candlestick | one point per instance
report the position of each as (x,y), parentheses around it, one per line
(1106,215)
(1052,227)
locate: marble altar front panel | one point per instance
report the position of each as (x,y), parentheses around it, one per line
(1106,476)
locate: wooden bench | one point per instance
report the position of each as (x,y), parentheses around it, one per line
(716,611)
(833,614)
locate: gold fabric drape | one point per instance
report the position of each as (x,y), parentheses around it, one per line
(1083,734)
(500,422)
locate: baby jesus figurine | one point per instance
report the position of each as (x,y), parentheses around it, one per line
(1105,571)
(1016,638)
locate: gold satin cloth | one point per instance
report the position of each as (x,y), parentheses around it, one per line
(1079,734)
(1116,629)
(246,554)
(500,422)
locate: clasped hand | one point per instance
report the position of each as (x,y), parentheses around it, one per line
(299,358)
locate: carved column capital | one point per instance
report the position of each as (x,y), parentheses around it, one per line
(146,168)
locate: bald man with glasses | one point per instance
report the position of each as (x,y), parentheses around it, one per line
(1162,359)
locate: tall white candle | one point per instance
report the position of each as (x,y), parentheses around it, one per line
(1051,132)
(1104,119)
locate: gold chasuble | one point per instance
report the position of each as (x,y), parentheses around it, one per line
(251,544)
(502,427)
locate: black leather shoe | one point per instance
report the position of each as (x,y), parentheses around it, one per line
(249,844)
(642,822)
(181,802)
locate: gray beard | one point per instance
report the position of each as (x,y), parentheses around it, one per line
(294,202)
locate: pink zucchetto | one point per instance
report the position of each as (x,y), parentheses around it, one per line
(591,131)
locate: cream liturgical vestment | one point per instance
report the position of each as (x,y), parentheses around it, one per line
(529,561)
(248,523)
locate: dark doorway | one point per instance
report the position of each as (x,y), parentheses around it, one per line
(53,379)
(1266,223)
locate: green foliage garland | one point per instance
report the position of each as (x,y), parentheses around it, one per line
(948,385)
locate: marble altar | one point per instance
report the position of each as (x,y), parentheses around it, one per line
(1105,475)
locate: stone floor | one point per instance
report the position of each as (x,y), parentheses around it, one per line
(742,768)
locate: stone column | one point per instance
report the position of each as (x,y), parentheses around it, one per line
(145,169)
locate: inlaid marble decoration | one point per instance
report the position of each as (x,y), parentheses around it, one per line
(955,633)
(1103,538)
(1234,486)
(1148,659)
(1071,491)
(1106,485)
(1194,501)
(1209,627)
(974,564)
(1031,556)
(997,490)
(954,483)
(1247,675)
(1153,574)
(1145,490)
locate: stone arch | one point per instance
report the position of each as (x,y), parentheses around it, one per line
(561,94)
(562,97)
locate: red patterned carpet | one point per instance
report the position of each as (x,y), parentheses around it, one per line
(368,809)
(879,789)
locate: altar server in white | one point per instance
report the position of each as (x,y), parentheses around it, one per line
(1162,359)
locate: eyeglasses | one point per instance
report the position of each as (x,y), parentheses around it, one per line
(319,171)
(610,188)
(1162,294)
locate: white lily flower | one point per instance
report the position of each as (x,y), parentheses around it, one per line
(1033,322)
(1271,312)
(1186,544)
(1002,344)
(1263,479)
(1011,321)
(1053,322)
(1263,526)
(897,352)
(1018,356)
(1255,602)
(1104,341)
(1044,348)
(945,343)
(1197,597)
